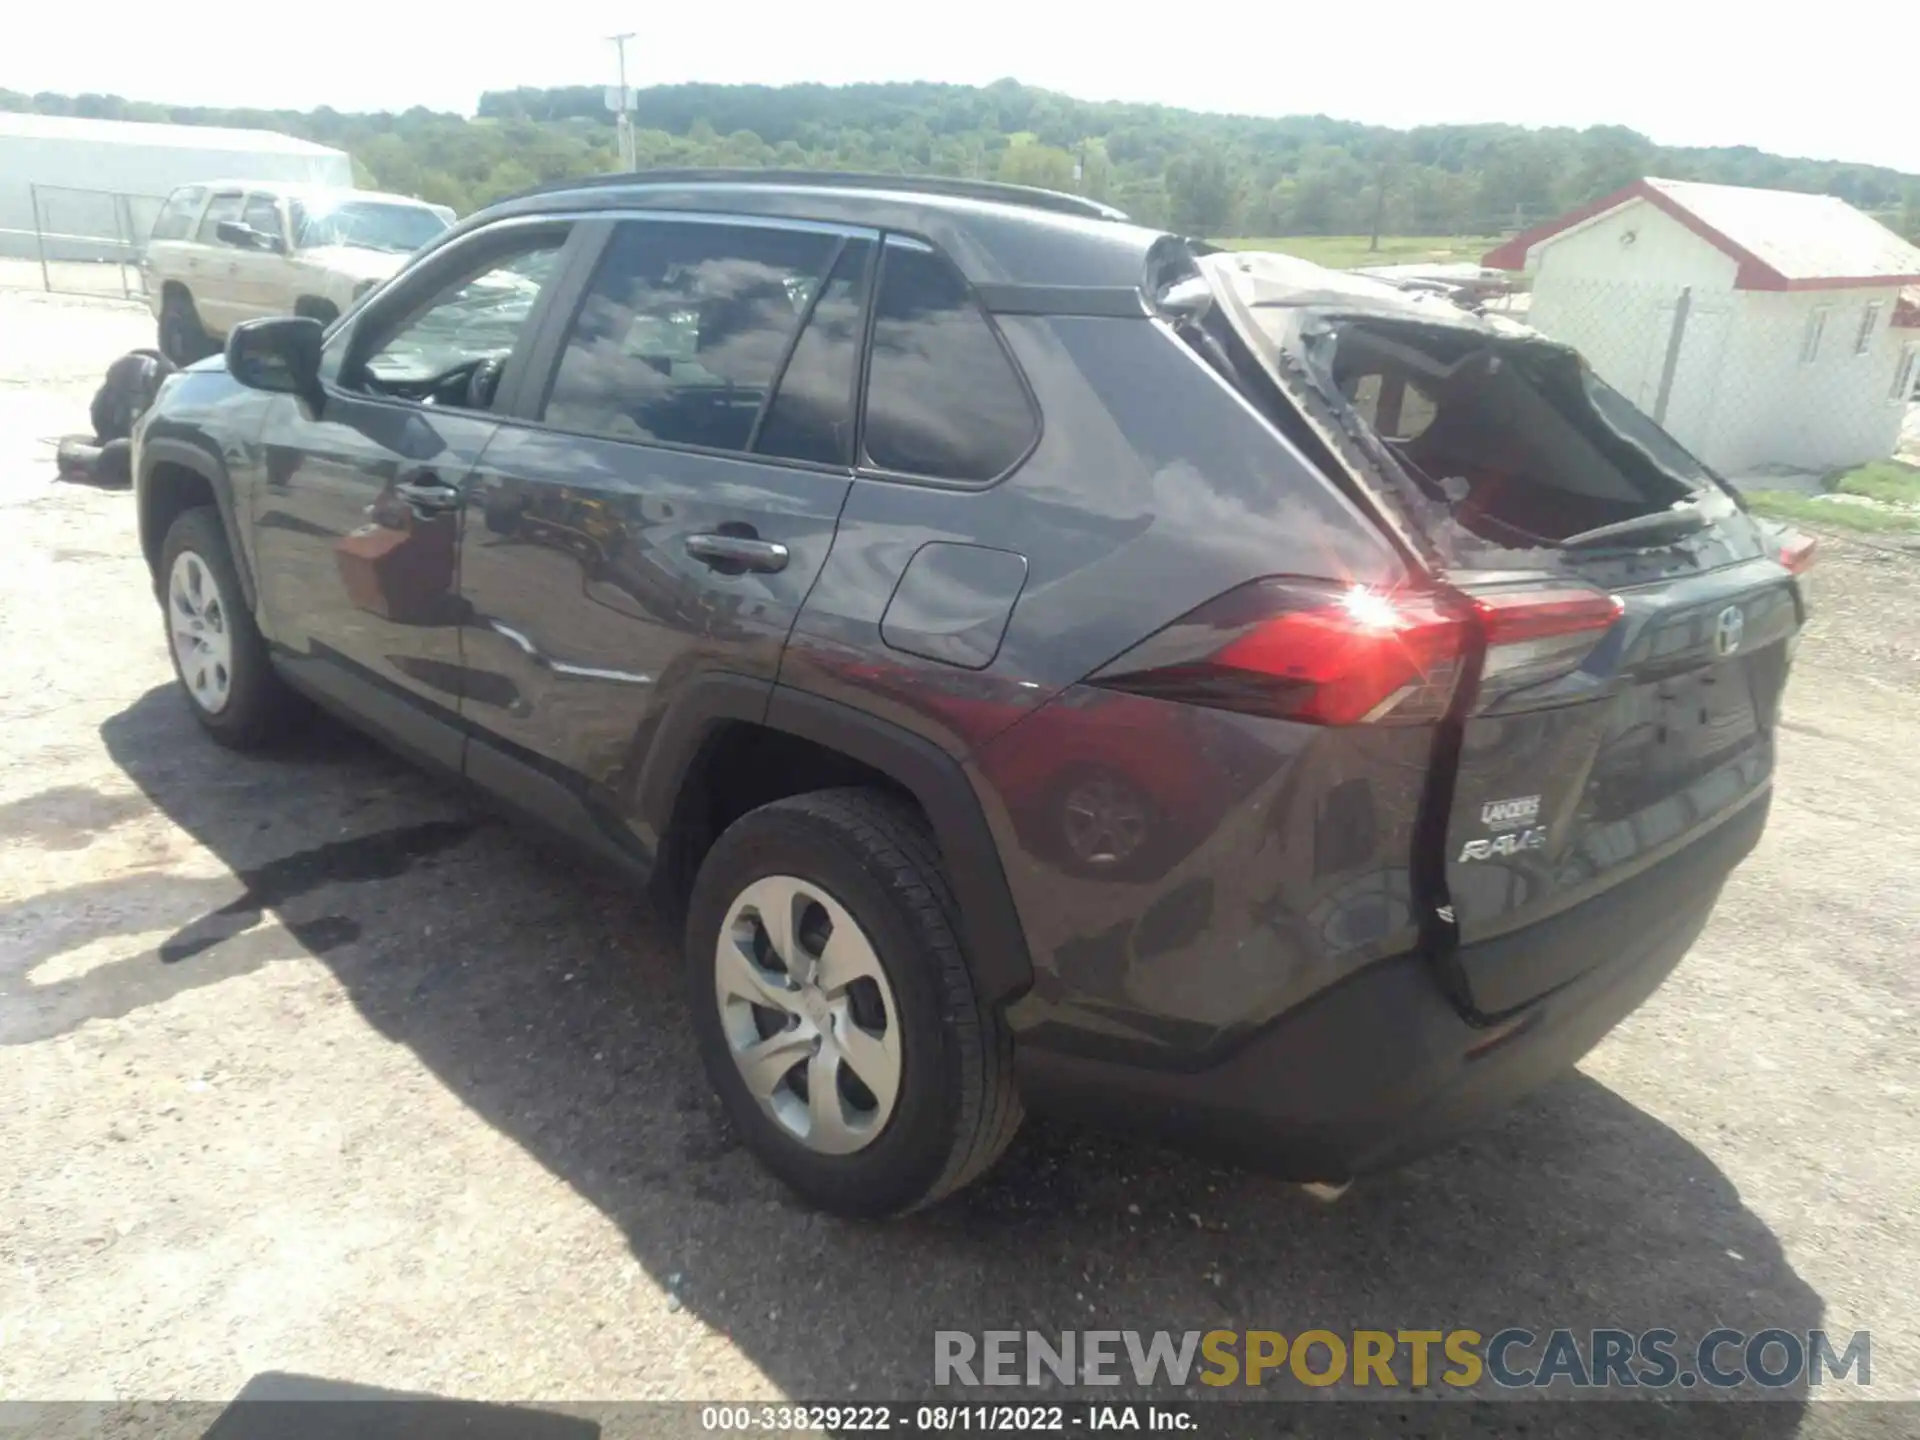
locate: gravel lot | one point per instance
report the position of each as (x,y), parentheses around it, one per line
(314,1067)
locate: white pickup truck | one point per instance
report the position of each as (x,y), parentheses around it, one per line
(232,250)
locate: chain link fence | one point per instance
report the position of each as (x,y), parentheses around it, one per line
(82,242)
(1756,383)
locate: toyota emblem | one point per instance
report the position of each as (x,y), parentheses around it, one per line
(1728,629)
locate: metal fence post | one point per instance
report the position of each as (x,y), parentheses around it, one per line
(40,238)
(123,241)
(1680,308)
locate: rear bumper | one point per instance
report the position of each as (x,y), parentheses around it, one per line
(1504,972)
(1383,1066)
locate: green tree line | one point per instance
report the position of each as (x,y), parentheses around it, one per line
(1206,174)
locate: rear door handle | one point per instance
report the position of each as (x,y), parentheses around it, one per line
(426,492)
(733,554)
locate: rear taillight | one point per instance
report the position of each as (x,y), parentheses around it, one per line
(1796,551)
(1346,655)
(1533,635)
(1305,650)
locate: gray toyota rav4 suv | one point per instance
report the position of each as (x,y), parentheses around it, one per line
(1048,663)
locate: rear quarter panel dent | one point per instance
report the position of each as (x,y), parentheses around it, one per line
(1242,866)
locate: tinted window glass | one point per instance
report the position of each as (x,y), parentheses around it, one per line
(263,215)
(811,417)
(683,330)
(224,206)
(476,317)
(942,398)
(176,217)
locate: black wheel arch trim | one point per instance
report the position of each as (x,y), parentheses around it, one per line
(172,450)
(996,946)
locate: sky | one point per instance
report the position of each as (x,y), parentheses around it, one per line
(1670,69)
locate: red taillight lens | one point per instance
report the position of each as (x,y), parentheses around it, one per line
(1511,616)
(1796,551)
(1534,634)
(1344,655)
(1303,650)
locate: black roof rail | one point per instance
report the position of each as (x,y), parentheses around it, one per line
(946,185)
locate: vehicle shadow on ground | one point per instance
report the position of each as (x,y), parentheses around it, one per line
(280,1406)
(551,1004)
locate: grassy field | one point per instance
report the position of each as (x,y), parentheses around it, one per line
(1893,485)
(1345,252)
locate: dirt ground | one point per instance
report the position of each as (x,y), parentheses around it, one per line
(311,1066)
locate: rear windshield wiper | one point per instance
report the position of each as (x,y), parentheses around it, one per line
(1676,523)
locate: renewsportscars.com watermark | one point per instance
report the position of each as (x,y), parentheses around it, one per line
(1512,1359)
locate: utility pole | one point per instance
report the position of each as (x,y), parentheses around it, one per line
(621,103)
(1379,207)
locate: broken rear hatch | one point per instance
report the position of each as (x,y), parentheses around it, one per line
(1631,624)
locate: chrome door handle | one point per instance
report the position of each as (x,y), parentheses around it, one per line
(734,554)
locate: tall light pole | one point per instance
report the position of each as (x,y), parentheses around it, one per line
(621,103)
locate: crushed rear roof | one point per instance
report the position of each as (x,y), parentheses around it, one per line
(1781,239)
(139,132)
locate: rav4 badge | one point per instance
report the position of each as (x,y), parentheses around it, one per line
(1511,843)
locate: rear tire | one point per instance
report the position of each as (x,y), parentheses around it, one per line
(218,654)
(945,1108)
(183,339)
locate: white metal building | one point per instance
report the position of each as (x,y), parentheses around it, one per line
(1770,321)
(79,165)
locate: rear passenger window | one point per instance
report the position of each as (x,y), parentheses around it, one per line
(943,399)
(224,206)
(811,417)
(683,331)
(175,219)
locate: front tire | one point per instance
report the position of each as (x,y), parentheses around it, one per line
(834,1008)
(218,654)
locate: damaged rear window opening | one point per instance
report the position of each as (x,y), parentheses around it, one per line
(1489,438)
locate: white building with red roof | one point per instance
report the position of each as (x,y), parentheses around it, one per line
(1767,328)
